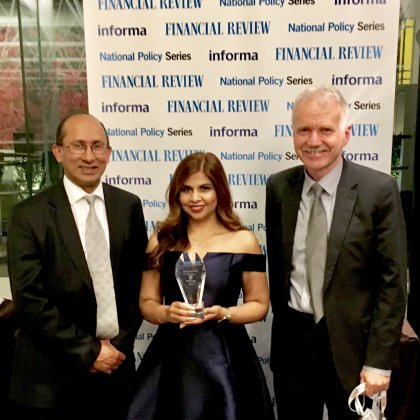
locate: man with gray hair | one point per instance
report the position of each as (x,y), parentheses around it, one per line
(337,267)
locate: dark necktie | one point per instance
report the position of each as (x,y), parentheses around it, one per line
(316,251)
(99,264)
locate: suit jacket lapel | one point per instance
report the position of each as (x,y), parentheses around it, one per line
(290,209)
(115,229)
(343,211)
(67,230)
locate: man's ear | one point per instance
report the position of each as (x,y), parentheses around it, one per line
(347,132)
(108,154)
(56,149)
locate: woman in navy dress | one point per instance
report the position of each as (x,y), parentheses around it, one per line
(202,368)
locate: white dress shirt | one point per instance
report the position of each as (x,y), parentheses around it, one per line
(299,290)
(80,208)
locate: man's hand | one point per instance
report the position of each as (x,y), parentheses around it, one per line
(108,359)
(374,382)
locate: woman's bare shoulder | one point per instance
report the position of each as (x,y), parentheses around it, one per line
(246,242)
(153,243)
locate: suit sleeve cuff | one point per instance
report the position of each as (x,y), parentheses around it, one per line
(377,371)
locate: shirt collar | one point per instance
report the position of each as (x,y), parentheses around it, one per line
(75,193)
(329,182)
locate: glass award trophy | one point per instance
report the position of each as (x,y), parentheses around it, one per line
(191,276)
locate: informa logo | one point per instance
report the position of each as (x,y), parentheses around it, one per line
(233,56)
(233,132)
(360,2)
(348,79)
(121,31)
(361,156)
(116,107)
(245,205)
(127,180)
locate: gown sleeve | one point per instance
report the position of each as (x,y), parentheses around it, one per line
(254,262)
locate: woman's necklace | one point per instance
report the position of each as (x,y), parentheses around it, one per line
(195,242)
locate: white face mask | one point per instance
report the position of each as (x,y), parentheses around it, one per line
(377,412)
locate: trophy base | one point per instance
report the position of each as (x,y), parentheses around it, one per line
(199,313)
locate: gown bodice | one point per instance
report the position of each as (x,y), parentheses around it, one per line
(223,282)
(208,371)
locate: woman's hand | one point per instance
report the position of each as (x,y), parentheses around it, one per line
(181,313)
(215,313)
(212,313)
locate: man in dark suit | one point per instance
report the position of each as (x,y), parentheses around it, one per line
(64,369)
(319,359)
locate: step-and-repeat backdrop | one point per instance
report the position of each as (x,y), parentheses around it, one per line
(171,77)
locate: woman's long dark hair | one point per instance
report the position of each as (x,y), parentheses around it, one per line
(172,232)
